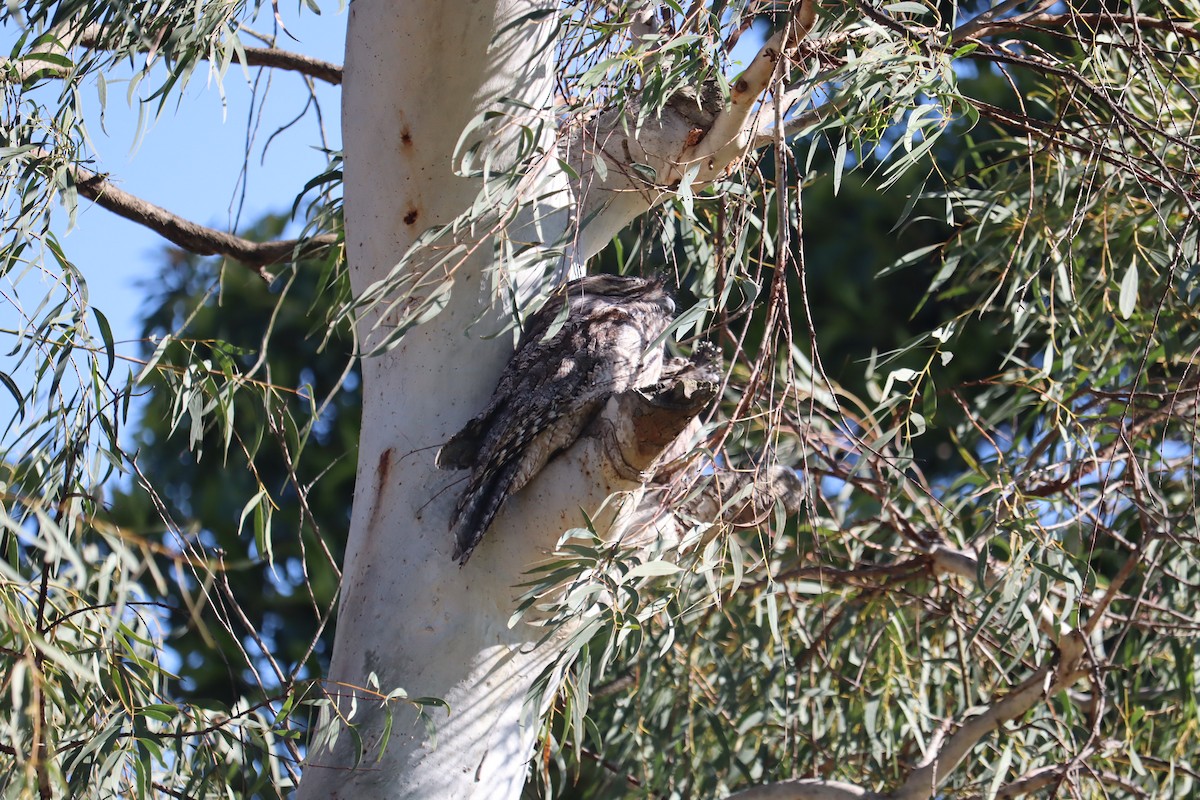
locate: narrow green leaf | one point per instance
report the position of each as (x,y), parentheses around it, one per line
(839,165)
(1135,761)
(1127,301)
(249,508)
(737,560)
(906,8)
(106,335)
(54,59)
(1001,770)
(652,569)
(15,391)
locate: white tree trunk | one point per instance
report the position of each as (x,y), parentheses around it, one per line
(416,73)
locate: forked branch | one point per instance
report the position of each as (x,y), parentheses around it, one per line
(693,139)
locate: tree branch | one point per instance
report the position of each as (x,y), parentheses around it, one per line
(981,22)
(800,121)
(637,428)
(1057,136)
(726,139)
(190,236)
(29,66)
(1052,775)
(804,789)
(1043,22)
(695,137)
(1053,676)
(294,62)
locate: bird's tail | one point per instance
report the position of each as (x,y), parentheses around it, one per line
(478,507)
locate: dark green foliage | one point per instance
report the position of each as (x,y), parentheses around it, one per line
(285,577)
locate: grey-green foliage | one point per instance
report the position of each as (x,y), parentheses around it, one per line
(89,705)
(833,643)
(1051,166)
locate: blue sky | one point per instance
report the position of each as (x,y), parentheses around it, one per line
(188,160)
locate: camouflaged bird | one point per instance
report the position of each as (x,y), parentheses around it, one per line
(552,387)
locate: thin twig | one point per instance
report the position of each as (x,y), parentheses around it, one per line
(980,22)
(21,69)
(1094,22)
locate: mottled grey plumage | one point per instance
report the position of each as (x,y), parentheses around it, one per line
(552,387)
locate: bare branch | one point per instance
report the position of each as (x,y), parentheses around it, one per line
(981,22)
(727,138)
(30,66)
(1054,774)
(801,121)
(1053,676)
(639,426)
(1059,137)
(1043,22)
(1033,781)
(804,789)
(294,62)
(195,238)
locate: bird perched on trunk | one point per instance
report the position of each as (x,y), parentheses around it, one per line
(556,381)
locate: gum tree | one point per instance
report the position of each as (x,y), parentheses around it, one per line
(970,576)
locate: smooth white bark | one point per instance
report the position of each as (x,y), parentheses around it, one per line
(416,74)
